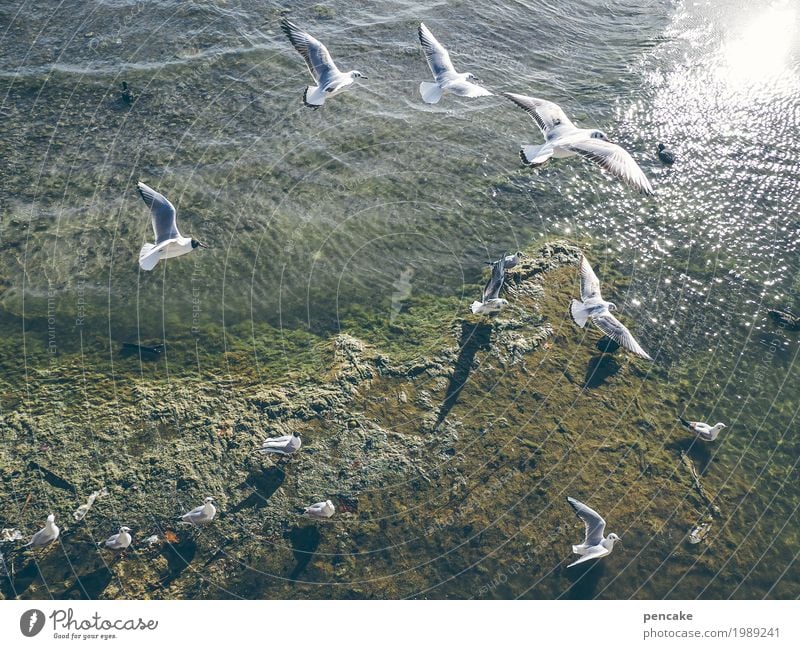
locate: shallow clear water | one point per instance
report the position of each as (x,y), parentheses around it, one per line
(318,219)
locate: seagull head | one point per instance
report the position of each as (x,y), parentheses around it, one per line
(614,537)
(519,255)
(355,74)
(661,146)
(612,306)
(198,244)
(208,500)
(124,529)
(600,135)
(720,425)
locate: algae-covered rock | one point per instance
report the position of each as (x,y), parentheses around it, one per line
(431,461)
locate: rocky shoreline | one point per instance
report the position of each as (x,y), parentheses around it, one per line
(432,463)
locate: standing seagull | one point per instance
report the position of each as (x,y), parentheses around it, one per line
(47,534)
(445,75)
(119,541)
(563,139)
(284,445)
(201,515)
(703,430)
(169,242)
(320,510)
(491,301)
(330,80)
(595,307)
(595,545)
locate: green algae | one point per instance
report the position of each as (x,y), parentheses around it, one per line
(436,434)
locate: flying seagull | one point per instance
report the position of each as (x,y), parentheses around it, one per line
(491,302)
(169,242)
(595,307)
(446,79)
(201,515)
(595,545)
(47,534)
(702,430)
(510,260)
(330,80)
(284,445)
(320,510)
(119,541)
(563,139)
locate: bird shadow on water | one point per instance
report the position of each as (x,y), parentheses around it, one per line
(305,541)
(473,338)
(264,485)
(599,369)
(585,579)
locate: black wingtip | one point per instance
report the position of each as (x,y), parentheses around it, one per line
(305,93)
(525,160)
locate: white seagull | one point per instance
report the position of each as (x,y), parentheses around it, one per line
(595,545)
(595,307)
(491,302)
(119,541)
(201,515)
(169,242)
(702,430)
(320,510)
(563,139)
(445,75)
(284,445)
(47,534)
(330,79)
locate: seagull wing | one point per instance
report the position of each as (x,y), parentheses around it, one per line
(546,114)
(468,89)
(619,333)
(595,525)
(495,283)
(318,59)
(590,285)
(613,158)
(594,553)
(163,212)
(438,58)
(279,441)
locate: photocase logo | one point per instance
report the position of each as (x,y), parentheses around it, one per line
(31,622)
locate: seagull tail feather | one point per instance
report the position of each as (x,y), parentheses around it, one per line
(431,92)
(476,306)
(579,313)
(147,258)
(685,422)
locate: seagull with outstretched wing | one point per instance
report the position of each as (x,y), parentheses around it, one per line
(562,139)
(169,242)
(592,305)
(491,302)
(595,544)
(330,79)
(446,79)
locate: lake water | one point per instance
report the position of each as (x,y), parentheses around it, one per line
(315,218)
